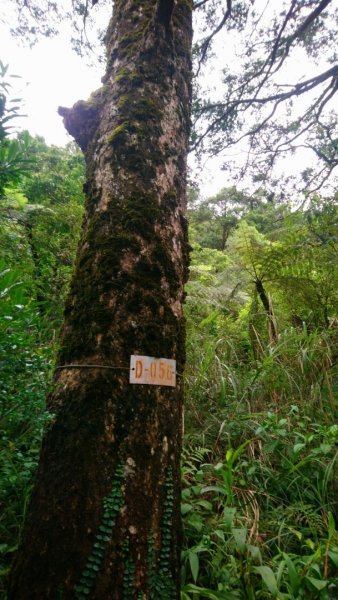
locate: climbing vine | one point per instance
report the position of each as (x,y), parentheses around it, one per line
(112,504)
(161,583)
(129,572)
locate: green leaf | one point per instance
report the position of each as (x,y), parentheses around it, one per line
(234,455)
(220,534)
(269,579)
(319,584)
(332,525)
(228,516)
(240,538)
(204,504)
(229,454)
(209,594)
(293,575)
(185,508)
(325,448)
(255,552)
(213,488)
(334,557)
(194,565)
(195,521)
(298,447)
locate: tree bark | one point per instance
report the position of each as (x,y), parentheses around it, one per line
(104,516)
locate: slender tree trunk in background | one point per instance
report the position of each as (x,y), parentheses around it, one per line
(104,517)
(273,333)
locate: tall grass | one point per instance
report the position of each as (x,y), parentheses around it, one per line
(260,465)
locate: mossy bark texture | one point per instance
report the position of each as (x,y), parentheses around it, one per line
(104,517)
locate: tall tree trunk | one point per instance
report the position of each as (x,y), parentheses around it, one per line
(104,515)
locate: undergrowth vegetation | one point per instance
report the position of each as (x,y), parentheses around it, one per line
(260,491)
(25,361)
(260,497)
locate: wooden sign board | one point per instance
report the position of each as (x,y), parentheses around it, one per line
(152,371)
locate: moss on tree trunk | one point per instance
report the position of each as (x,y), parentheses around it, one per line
(104,516)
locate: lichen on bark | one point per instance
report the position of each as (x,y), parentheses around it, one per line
(126,298)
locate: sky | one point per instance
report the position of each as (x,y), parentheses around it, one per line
(52,75)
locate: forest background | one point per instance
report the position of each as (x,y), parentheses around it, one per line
(259,464)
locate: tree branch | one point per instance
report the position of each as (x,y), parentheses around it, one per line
(207,42)
(199,4)
(311,17)
(270,62)
(297,90)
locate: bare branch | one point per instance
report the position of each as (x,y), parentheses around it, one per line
(270,62)
(312,16)
(272,57)
(199,4)
(208,40)
(334,86)
(297,90)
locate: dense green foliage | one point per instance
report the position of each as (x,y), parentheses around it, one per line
(40,218)
(260,461)
(14,161)
(260,464)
